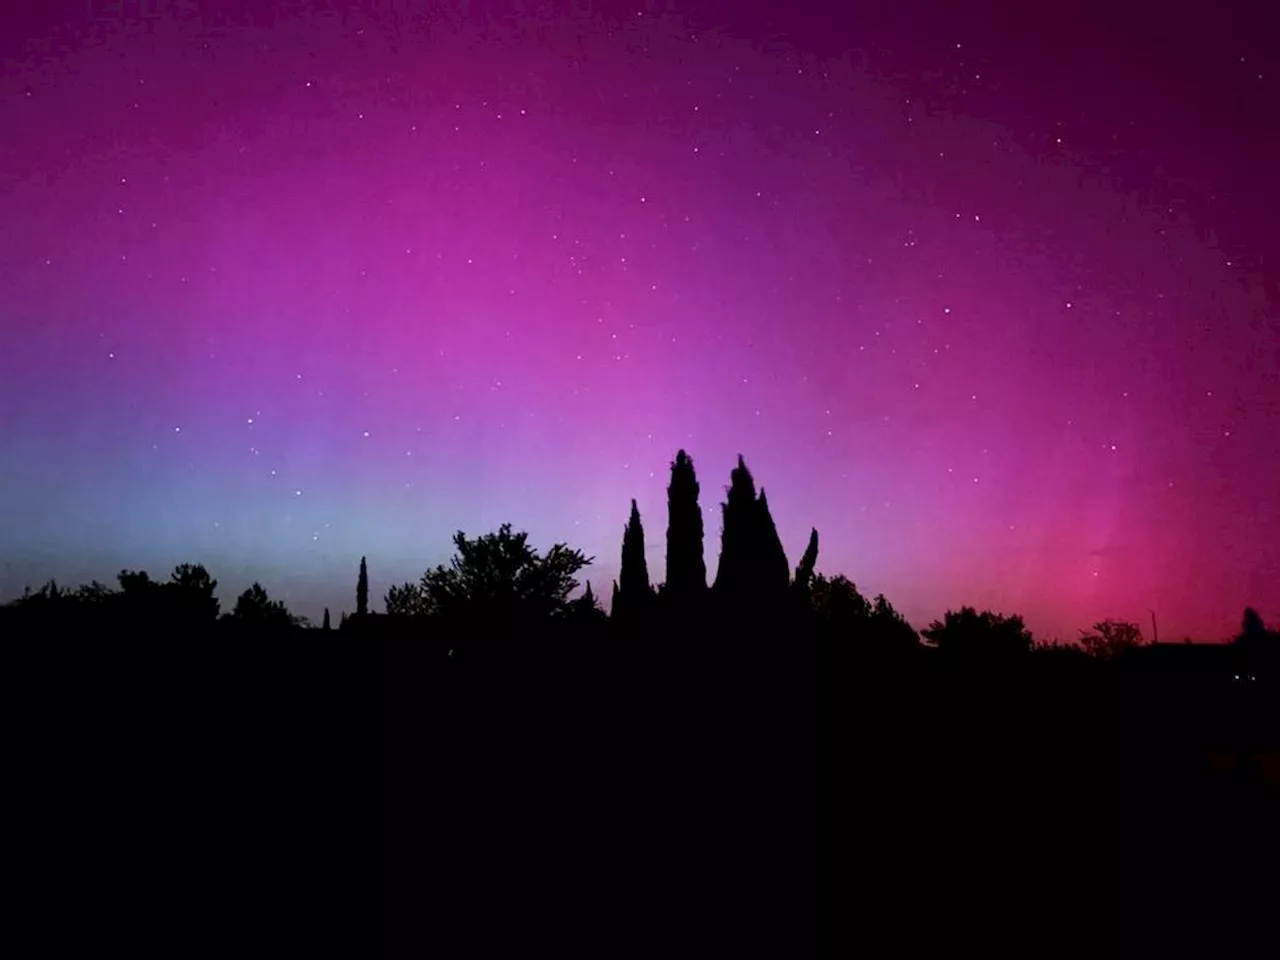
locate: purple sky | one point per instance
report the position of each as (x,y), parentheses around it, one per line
(985,293)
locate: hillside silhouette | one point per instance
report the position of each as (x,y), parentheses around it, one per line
(766,762)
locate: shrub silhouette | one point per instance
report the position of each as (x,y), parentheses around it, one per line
(257,611)
(1110,639)
(965,635)
(500,578)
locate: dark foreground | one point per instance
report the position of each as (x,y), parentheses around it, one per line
(350,799)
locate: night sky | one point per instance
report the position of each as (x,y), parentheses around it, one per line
(987,293)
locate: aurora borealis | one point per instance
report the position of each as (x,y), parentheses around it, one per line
(989,297)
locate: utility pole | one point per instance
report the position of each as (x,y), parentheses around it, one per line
(1155,633)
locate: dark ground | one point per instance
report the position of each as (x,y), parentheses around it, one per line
(337,798)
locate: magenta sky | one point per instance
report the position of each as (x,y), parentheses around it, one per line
(990,301)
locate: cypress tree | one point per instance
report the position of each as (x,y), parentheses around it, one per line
(738,540)
(326,619)
(686,567)
(774,570)
(804,572)
(362,590)
(753,572)
(633,580)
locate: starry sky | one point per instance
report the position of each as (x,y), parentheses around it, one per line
(986,292)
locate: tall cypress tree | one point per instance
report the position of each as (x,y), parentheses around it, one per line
(804,572)
(738,540)
(326,619)
(774,570)
(686,566)
(362,590)
(633,580)
(753,572)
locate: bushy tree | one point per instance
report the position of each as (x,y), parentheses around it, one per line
(875,626)
(1254,632)
(94,596)
(191,596)
(1110,639)
(255,609)
(407,600)
(139,602)
(888,630)
(585,609)
(499,577)
(966,635)
(837,603)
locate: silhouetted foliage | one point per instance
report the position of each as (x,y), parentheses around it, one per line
(633,599)
(1110,639)
(968,636)
(838,605)
(500,578)
(1258,648)
(873,628)
(139,598)
(804,572)
(193,594)
(686,575)
(1253,631)
(407,600)
(255,610)
(95,595)
(753,572)
(362,590)
(713,728)
(586,609)
(888,631)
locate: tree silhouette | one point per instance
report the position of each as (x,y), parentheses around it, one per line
(192,594)
(753,571)
(500,578)
(804,572)
(686,575)
(94,595)
(362,590)
(1254,633)
(837,604)
(634,594)
(136,583)
(585,609)
(407,600)
(1258,647)
(775,571)
(888,631)
(1110,639)
(257,610)
(325,624)
(966,635)
(50,604)
(139,603)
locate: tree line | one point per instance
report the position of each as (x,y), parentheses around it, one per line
(498,583)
